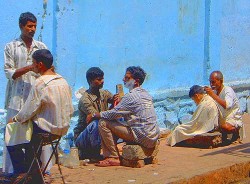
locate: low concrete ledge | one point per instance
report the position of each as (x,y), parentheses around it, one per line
(182,92)
(173,106)
(231,174)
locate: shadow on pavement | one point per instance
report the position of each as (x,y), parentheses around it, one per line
(241,150)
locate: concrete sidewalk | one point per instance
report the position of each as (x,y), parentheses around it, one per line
(176,165)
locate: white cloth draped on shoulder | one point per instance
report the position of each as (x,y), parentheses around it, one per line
(204,119)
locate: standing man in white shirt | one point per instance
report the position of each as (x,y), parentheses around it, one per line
(19,71)
(48,106)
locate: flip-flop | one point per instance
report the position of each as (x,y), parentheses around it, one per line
(47,178)
(107,163)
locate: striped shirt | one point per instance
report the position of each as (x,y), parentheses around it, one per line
(137,109)
(16,55)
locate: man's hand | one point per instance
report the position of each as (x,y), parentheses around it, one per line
(91,117)
(209,91)
(32,67)
(10,120)
(116,99)
(21,71)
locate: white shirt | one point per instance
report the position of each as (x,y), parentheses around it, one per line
(232,112)
(49,104)
(17,56)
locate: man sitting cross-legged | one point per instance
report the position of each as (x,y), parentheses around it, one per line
(48,106)
(204,119)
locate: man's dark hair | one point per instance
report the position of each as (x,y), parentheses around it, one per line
(218,75)
(93,73)
(44,56)
(196,89)
(137,73)
(25,17)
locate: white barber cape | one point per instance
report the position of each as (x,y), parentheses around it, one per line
(204,119)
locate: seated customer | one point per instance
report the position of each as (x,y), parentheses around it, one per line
(48,106)
(229,106)
(133,119)
(204,119)
(94,100)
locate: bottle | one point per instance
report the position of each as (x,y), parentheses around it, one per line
(66,154)
(74,158)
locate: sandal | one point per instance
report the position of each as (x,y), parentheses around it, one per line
(47,178)
(108,162)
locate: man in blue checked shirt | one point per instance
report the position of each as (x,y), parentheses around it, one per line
(133,119)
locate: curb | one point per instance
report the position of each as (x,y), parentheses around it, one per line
(229,174)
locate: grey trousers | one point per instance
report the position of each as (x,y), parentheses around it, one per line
(110,131)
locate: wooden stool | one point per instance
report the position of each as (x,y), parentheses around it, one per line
(134,155)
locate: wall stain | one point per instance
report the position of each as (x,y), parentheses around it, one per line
(188,13)
(45,3)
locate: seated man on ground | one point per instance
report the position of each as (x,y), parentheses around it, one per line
(133,119)
(228,104)
(48,106)
(204,119)
(94,100)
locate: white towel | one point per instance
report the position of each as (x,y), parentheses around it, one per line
(18,133)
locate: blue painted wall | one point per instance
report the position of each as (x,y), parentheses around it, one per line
(177,42)
(164,37)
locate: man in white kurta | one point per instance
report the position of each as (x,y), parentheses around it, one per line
(204,119)
(48,106)
(228,103)
(18,71)
(232,113)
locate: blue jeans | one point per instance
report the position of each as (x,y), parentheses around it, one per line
(89,141)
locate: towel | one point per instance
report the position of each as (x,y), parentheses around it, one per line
(18,133)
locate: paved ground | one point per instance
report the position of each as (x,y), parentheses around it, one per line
(226,164)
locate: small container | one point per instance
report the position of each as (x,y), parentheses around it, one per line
(71,158)
(74,158)
(66,158)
